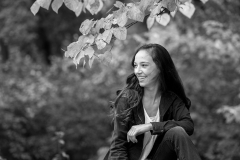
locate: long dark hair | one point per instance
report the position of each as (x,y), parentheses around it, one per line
(169,79)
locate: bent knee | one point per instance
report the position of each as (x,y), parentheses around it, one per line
(179,131)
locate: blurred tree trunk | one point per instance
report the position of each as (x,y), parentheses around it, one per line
(43,42)
(4,51)
(44,45)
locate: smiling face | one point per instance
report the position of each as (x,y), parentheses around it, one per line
(145,69)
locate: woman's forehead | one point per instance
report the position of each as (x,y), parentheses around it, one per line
(143,56)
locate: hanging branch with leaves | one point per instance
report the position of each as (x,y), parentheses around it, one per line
(97,35)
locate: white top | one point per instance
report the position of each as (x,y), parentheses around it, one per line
(149,139)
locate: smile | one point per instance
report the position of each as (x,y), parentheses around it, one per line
(141,78)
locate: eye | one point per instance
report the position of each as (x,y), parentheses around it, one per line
(134,66)
(144,65)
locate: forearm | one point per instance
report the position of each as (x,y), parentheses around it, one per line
(149,126)
(162,127)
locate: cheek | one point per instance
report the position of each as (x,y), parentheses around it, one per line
(155,74)
(135,70)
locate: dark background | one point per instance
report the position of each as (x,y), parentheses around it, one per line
(48,107)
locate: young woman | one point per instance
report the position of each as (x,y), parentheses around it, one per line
(152,119)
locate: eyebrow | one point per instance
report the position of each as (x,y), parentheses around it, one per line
(142,62)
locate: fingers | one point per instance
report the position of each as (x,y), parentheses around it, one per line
(132,139)
(131,136)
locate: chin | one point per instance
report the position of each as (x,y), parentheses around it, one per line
(142,84)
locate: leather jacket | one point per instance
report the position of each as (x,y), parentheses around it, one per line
(173,112)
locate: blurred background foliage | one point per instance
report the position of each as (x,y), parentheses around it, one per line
(51,110)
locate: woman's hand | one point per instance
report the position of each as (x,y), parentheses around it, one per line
(137,130)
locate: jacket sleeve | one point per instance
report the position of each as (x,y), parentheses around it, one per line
(119,144)
(181,117)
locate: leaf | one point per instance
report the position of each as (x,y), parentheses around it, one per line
(156,10)
(44,3)
(59,134)
(89,51)
(106,57)
(85,3)
(150,22)
(56,4)
(88,39)
(173,13)
(79,9)
(93,31)
(130,5)
(122,20)
(183,1)
(164,3)
(99,24)
(84,62)
(91,61)
(78,57)
(108,21)
(120,33)
(121,17)
(114,21)
(99,42)
(107,24)
(163,19)
(73,49)
(187,9)
(144,4)
(107,35)
(172,6)
(35,8)
(61,142)
(65,155)
(81,38)
(135,13)
(118,4)
(94,7)
(169,4)
(71,4)
(109,17)
(86,26)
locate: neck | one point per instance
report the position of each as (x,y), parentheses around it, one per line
(152,92)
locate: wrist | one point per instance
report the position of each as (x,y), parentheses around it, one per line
(150,127)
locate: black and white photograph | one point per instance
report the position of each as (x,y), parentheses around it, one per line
(119,80)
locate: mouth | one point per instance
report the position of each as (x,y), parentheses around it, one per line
(141,78)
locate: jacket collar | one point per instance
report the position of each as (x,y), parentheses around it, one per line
(166,101)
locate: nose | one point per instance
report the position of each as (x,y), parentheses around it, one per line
(138,70)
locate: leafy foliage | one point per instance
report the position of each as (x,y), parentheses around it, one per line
(50,113)
(93,6)
(230,113)
(114,26)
